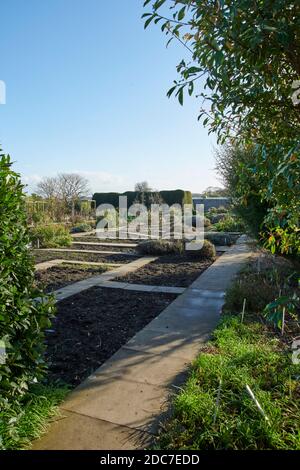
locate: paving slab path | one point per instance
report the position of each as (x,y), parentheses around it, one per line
(83,234)
(123,403)
(57,262)
(97,252)
(121,270)
(113,245)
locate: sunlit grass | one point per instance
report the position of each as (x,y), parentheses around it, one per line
(240,355)
(21,423)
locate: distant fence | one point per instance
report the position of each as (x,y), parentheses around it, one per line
(58,210)
(210,202)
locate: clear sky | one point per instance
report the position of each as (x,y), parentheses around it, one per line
(86,92)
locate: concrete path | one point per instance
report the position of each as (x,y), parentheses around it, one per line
(113,245)
(57,262)
(83,234)
(66,250)
(142,287)
(80,286)
(122,404)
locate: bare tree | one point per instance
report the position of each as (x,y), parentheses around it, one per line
(66,186)
(142,187)
(72,186)
(48,188)
(63,191)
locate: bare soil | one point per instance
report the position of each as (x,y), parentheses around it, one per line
(169,270)
(41,256)
(58,277)
(91,326)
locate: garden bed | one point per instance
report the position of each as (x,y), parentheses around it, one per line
(57,277)
(91,326)
(41,256)
(169,270)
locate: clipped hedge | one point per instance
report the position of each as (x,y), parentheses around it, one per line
(160,247)
(22,319)
(177,196)
(208,251)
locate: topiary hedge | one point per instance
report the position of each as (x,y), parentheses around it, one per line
(22,319)
(208,251)
(160,247)
(177,196)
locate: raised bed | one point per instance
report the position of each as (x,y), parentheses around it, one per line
(41,256)
(169,270)
(91,326)
(56,277)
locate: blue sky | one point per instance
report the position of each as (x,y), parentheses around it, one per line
(86,92)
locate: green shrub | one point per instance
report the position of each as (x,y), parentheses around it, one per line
(208,251)
(216,210)
(255,288)
(160,247)
(221,239)
(81,228)
(51,236)
(22,319)
(207,222)
(217,218)
(261,283)
(230,224)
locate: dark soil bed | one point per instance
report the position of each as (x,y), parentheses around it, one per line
(91,326)
(170,270)
(60,276)
(41,256)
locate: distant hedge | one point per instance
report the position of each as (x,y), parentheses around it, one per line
(177,196)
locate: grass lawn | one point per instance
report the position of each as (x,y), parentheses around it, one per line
(21,423)
(215,411)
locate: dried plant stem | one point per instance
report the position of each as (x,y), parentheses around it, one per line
(252,396)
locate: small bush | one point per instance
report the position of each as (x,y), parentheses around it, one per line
(160,247)
(253,287)
(216,210)
(217,218)
(51,236)
(230,224)
(261,283)
(208,251)
(81,228)
(221,239)
(207,222)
